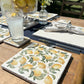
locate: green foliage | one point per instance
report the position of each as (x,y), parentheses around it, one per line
(55,7)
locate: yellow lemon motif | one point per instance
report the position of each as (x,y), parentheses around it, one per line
(48,57)
(35,58)
(60,60)
(83,29)
(14,62)
(29,51)
(23,60)
(28,66)
(41,65)
(36,52)
(61,54)
(7,34)
(0,35)
(40,49)
(56,66)
(37,72)
(48,80)
(53,51)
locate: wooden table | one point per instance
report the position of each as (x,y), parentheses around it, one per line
(73,74)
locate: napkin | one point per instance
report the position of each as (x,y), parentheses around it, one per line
(64,25)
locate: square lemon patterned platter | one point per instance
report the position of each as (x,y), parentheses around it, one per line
(38,64)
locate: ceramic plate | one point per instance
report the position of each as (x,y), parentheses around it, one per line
(36,15)
(38,64)
(3,22)
(4,33)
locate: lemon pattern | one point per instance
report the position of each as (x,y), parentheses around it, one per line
(39,63)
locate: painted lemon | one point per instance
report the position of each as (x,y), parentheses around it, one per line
(41,65)
(0,35)
(28,66)
(14,62)
(7,34)
(29,51)
(83,29)
(53,51)
(56,66)
(37,72)
(48,57)
(60,60)
(23,60)
(35,58)
(48,80)
(36,52)
(40,49)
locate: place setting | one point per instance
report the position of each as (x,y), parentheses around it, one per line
(62,31)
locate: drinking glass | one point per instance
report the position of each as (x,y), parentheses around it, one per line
(15,25)
(14,20)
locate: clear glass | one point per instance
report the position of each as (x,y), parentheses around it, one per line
(15,25)
(43,15)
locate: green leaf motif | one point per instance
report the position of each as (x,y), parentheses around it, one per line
(66,56)
(45,71)
(52,70)
(2,36)
(55,57)
(50,64)
(56,60)
(53,76)
(57,69)
(41,77)
(26,70)
(31,74)
(11,66)
(31,60)
(63,52)
(34,78)
(18,57)
(43,58)
(27,57)
(21,71)
(10,62)
(34,63)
